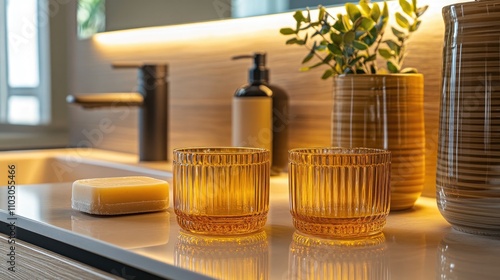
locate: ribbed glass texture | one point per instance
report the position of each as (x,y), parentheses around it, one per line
(317,259)
(223,190)
(224,257)
(339,192)
(385,112)
(468,162)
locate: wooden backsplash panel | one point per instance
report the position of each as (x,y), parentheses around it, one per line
(203,80)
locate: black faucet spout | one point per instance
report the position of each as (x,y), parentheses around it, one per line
(152,100)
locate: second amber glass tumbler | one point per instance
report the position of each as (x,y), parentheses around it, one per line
(339,192)
(222,190)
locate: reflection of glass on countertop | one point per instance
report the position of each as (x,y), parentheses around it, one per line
(127,231)
(224,257)
(317,258)
(467,256)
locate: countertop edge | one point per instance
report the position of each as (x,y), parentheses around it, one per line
(103,249)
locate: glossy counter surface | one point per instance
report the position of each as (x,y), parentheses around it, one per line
(418,244)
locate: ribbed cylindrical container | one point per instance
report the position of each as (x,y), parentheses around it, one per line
(468,169)
(224,257)
(385,112)
(339,192)
(317,259)
(221,190)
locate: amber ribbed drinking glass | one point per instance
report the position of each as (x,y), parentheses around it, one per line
(221,190)
(339,192)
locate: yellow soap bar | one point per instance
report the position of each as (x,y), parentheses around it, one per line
(119,195)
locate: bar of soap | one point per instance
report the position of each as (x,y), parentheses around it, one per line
(119,195)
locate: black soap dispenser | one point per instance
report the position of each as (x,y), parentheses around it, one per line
(260,114)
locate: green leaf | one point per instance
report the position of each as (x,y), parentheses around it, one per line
(354,61)
(339,26)
(336,38)
(400,35)
(420,11)
(306,38)
(327,59)
(357,23)
(328,73)
(367,24)
(384,18)
(347,22)
(375,13)
(385,53)
(409,70)
(392,68)
(385,10)
(369,40)
(321,47)
(322,13)
(335,49)
(365,8)
(349,37)
(307,68)
(359,45)
(414,3)
(292,41)
(372,57)
(352,11)
(325,28)
(339,60)
(299,17)
(308,57)
(402,20)
(393,46)
(414,27)
(287,31)
(360,35)
(349,51)
(407,7)
(374,32)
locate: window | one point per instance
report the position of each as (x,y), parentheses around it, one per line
(24,67)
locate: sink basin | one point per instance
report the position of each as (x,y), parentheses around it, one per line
(66,165)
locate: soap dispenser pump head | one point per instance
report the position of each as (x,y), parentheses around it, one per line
(258,72)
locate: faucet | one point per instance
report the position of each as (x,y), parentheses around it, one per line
(152,100)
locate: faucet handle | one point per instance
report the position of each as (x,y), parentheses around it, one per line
(127,64)
(107,99)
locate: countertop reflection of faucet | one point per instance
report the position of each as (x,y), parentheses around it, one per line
(152,100)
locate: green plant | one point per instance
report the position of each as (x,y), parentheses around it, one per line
(90,17)
(351,43)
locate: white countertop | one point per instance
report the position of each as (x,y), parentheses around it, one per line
(419,244)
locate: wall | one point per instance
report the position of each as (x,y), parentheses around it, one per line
(124,14)
(203,79)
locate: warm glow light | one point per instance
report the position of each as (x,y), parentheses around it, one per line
(198,31)
(221,28)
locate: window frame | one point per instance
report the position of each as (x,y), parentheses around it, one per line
(42,91)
